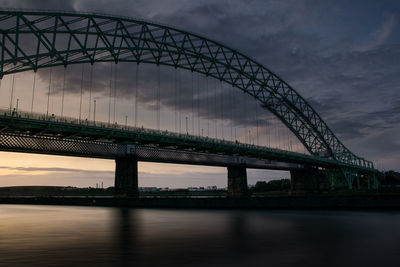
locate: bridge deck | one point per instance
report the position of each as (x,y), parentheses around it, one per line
(69,129)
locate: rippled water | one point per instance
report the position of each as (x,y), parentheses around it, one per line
(93,236)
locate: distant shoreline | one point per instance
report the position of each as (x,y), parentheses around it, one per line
(281,202)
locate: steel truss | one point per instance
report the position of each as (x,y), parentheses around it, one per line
(30,40)
(107,150)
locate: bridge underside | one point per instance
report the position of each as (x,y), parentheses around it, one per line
(19,134)
(105,150)
(304,177)
(127,156)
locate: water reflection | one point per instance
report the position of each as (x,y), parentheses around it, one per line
(65,236)
(127,231)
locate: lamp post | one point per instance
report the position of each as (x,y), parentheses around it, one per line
(187,132)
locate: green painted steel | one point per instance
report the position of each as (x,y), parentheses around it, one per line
(63,128)
(63,38)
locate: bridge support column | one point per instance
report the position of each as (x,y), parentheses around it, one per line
(126,177)
(309,180)
(237,182)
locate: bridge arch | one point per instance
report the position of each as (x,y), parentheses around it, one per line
(63,38)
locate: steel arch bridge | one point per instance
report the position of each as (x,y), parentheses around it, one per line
(31,40)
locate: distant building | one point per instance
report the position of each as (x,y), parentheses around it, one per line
(148,189)
(195,188)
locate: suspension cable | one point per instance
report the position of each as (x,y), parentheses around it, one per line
(179,99)
(12,93)
(80,99)
(176,99)
(33,90)
(236,93)
(48,95)
(288,139)
(222,109)
(268,136)
(192,104)
(208,108)
(198,103)
(109,97)
(115,91)
(274,133)
(52,98)
(63,93)
(279,135)
(215,109)
(136,94)
(277,143)
(158,97)
(90,89)
(231,112)
(245,116)
(258,142)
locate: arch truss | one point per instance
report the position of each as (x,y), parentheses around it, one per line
(30,40)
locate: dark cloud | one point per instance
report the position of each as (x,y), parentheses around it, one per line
(41,4)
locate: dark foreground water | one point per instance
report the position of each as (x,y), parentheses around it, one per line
(85,236)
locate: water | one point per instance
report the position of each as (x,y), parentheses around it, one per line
(95,236)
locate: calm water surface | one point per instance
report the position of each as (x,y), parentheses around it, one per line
(94,236)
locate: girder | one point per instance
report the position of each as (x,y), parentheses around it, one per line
(63,38)
(62,131)
(106,150)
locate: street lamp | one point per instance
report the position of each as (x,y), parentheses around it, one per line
(187,132)
(16,109)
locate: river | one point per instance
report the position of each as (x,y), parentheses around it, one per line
(94,236)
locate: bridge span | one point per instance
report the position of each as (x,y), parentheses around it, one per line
(34,40)
(38,133)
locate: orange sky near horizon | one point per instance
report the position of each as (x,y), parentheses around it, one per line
(36,169)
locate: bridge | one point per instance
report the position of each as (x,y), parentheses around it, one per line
(35,40)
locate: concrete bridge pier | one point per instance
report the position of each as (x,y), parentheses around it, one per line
(237,182)
(126,177)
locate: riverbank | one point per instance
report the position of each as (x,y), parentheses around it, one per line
(292,202)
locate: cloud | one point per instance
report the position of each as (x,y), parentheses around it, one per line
(37,5)
(51,170)
(381,35)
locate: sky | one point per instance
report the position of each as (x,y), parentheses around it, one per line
(341,56)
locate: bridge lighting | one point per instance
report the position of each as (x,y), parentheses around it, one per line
(187,132)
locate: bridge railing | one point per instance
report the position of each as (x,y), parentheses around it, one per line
(52,118)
